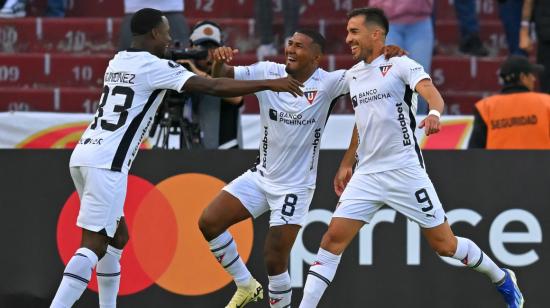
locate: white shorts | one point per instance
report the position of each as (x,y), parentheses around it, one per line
(288,205)
(102,193)
(407,190)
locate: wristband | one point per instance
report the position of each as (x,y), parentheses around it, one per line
(525,23)
(435,113)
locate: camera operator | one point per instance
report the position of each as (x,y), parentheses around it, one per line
(217,117)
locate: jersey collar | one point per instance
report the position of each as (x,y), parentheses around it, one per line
(135,50)
(514,89)
(374,62)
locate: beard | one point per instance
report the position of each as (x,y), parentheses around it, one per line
(289,71)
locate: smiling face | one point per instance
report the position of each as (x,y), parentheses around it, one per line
(161,38)
(362,38)
(302,54)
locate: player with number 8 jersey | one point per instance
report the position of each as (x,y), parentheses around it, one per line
(283,179)
(134,85)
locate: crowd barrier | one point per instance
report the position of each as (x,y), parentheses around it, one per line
(499,199)
(45,130)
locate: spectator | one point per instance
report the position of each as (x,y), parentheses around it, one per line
(510,15)
(216,117)
(470,43)
(172,9)
(264,19)
(517,118)
(539,12)
(16,8)
(411,28)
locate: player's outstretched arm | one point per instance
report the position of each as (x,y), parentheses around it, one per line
(343,175)
(428,91)
(226,87)
(222,56)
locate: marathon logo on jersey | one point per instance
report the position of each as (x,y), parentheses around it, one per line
(264,148)
(369,96)
(384,69)
(403,124)
(310,96)
(86,141)
(119,77)
(315,144)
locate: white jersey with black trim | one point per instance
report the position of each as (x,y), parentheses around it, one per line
(291,127)
(134,85)
(383,96)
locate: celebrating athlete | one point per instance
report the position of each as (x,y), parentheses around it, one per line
(134,85)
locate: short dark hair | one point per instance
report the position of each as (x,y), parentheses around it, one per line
(317,37)
(145,20)
(372,15)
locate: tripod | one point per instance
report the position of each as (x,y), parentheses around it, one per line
(170,121)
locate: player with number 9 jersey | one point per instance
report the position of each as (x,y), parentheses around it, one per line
(390,168)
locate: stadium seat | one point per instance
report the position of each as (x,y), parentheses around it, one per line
(65,99)
(65,58)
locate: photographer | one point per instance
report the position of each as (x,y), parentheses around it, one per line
(217,118)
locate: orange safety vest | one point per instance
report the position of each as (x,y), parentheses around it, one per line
(517,120)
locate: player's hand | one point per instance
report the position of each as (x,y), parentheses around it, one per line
(391,51)
(286,84)
(341,179)
(430,124)
(224,54)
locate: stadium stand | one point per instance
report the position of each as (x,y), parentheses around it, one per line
(57,64)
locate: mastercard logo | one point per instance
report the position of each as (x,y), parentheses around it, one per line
(64,136)
(166,247)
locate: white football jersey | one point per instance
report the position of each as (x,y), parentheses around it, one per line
(384,100)
(291,127)
(134,85)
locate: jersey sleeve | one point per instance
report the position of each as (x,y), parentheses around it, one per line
(167,74)
(255,71)
(411,72)
(337,83)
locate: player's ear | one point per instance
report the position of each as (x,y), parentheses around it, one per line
(318,57)
(155,32)
(318,54)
